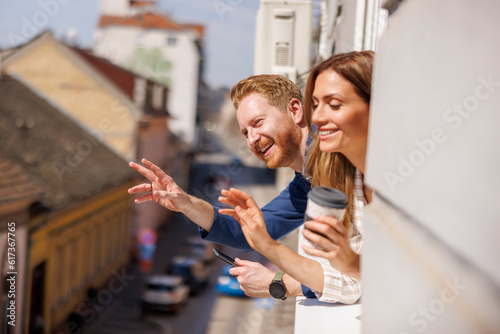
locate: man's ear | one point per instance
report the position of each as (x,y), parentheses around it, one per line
(295,109)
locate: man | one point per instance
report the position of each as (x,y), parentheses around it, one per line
(270,116)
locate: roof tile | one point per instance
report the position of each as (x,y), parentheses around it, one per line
(144,20)
(59,156)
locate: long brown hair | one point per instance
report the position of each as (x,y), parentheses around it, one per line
(334,169)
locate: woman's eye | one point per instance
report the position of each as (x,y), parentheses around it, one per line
(335,106)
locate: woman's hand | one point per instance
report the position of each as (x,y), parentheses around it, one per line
(249,216)
(251,220)
(330,234)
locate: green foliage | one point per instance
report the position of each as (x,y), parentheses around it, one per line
(151,64)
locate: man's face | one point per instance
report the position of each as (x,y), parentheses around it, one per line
(271,135)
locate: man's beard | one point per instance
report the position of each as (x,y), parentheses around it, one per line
(286,146)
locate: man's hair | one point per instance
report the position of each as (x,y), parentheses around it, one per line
(276,89)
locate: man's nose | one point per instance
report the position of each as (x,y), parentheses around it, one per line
(252,137)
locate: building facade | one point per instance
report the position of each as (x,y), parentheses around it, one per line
(17,194)
(60,75)
(123,110)
(430,262)
(134,35)
(78,224)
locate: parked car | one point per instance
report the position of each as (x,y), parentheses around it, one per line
(193,270)
(164,293)
(228,284)
(201,248)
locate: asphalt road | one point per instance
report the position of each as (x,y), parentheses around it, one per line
(206,312)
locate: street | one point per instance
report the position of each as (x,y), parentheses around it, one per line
(205,312)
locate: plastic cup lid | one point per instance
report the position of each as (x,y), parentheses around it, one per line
(329,197)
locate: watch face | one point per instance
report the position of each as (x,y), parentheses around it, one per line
(277,290)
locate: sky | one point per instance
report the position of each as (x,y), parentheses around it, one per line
(229,34)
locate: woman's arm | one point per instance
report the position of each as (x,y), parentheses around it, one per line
(249,216)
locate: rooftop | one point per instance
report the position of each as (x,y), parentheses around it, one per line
(15,183)
(59,156)
(150,20)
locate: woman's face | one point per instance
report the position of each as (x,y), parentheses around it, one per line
(340,115)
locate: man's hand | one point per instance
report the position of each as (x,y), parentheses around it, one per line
(168,194)
(163,188)
(253,277)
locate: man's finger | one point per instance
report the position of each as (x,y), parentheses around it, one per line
(234,271)
(243,263)
(143,171)
(144,198)
(164,194)
(156,170)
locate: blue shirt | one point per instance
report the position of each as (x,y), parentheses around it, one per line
(282,215)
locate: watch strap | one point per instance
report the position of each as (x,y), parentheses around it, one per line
(278,277)
(278,280)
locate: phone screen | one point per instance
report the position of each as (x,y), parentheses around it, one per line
(225,258)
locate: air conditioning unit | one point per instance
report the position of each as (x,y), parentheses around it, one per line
(283,38)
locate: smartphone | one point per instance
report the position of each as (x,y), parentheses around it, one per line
(225,258)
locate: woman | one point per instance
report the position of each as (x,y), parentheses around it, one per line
(337,102)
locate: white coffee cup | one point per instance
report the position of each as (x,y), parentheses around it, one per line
(325,201)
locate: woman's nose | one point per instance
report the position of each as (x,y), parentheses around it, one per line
(318,115)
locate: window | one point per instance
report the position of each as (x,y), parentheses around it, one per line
(171,41)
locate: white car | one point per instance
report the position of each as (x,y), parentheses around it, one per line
(165,293)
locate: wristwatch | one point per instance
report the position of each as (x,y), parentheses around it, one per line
(277,289)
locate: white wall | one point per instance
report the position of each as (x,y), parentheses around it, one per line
(431,261)
(350,25)
(114,7)
(118,44)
